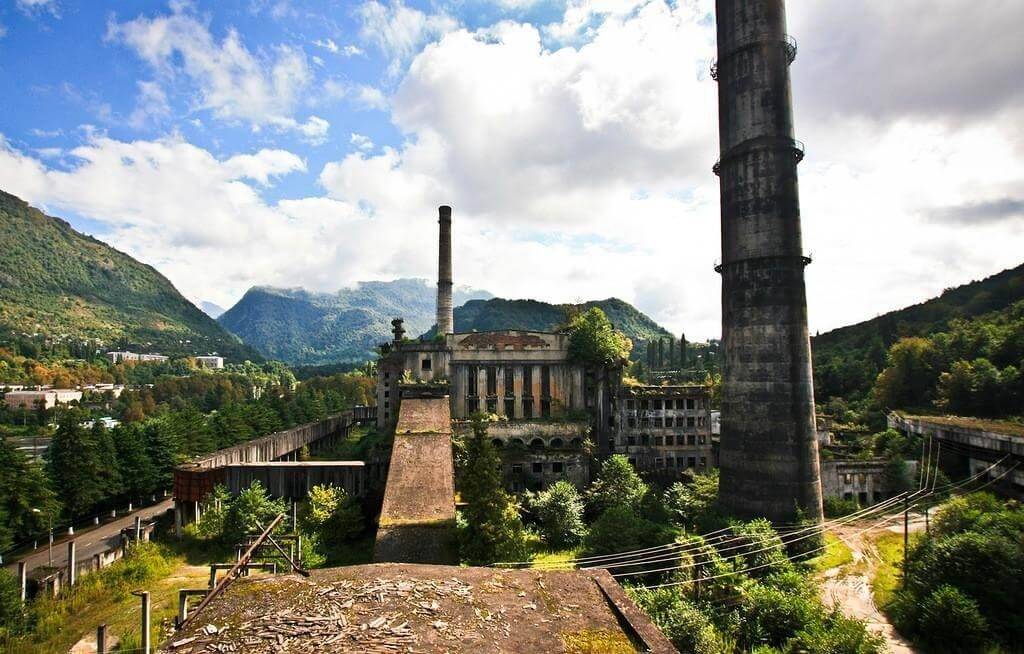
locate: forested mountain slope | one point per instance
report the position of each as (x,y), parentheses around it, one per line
(66,286)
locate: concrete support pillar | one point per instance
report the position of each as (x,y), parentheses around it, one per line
(178,519)
(138,528)
(144,621)
(72,561)
(517,390)
(23,580)
(97,562)
(199,513)
(101,639)
(183,603)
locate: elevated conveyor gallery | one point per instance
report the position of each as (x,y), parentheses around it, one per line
(417,519)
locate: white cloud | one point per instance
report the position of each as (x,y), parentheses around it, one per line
(360,95)
(327,44)
(36,6)
(352,50)
(398,30)
(361,141)
(233,83)
(151,105)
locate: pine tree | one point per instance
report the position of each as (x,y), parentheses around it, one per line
(494,531)
(75,467)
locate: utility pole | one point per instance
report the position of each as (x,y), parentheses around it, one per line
(906,536)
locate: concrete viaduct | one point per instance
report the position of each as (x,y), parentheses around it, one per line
(969,445)
(273,460)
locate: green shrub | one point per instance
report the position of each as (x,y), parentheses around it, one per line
(620,529)
(12,613)
(836,634)
(836,507)
(951,622)
(250,513)
(617,485)
(559,510)
(332,516)
(682,622)
(774,615)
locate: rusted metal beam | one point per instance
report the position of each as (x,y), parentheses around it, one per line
(233,572)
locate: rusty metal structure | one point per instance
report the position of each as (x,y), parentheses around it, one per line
(768,456)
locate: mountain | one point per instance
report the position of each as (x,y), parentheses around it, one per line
(62,284)
(211,309)
(497,313)
(847,360)
(304,328)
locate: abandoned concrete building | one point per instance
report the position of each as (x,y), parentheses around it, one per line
(665,430)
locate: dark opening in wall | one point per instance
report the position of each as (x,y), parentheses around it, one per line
(557,467)
(425,365)
(492,381)
(527,407)
(510,407)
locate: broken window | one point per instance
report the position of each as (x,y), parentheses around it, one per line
(557,467)
(538,468)
(545,381)
(492,381)
(545,408)
(471,383)
(691,462)
(527,381)
(527,407)
(510,407)
(425,365)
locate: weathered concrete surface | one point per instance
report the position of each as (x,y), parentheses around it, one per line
(768,454)
(426,608)
(418,515)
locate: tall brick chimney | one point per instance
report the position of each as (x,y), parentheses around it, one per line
(445,311)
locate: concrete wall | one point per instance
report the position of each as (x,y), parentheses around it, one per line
(664,430)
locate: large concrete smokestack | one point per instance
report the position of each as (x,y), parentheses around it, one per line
(445,312)
(769,455)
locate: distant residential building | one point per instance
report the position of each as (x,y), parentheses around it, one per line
(115,390)
(45,398)
(119,357)
(664,429)
(211,362)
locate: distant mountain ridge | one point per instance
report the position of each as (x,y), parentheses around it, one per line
(63,284)
(534,315)
(306,328)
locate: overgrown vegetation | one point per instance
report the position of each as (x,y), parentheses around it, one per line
(91,468)
(961,590)
(960,353)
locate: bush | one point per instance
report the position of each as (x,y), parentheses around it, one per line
(836,507)
(620,529)
(837,634)
(559,510)
(12,613)
(950,621)
(682,622)
(774,615)
(617,485)
(331,516)
(691,505)
(250,513)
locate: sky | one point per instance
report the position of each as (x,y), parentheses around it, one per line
(308,143)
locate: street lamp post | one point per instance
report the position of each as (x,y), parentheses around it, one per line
(49,522)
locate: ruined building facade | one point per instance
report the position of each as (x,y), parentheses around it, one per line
(768,455)
(664,430)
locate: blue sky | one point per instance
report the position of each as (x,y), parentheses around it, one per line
(288,143)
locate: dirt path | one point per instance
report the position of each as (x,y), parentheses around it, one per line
(849,586)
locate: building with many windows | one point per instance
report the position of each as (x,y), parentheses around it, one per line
(664,430)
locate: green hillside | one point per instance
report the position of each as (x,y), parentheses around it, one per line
(67,286)
(304,328)
(497,313)
(848,360)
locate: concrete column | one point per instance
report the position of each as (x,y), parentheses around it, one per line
(72,561)
(138,528)
(101,639)
(23,580)
(517,384)
(144,621)
(97,561)
(199,513)
(500,390)
(177,519)
(538,372)
(183,603)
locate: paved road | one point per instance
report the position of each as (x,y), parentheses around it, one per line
(94,541)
